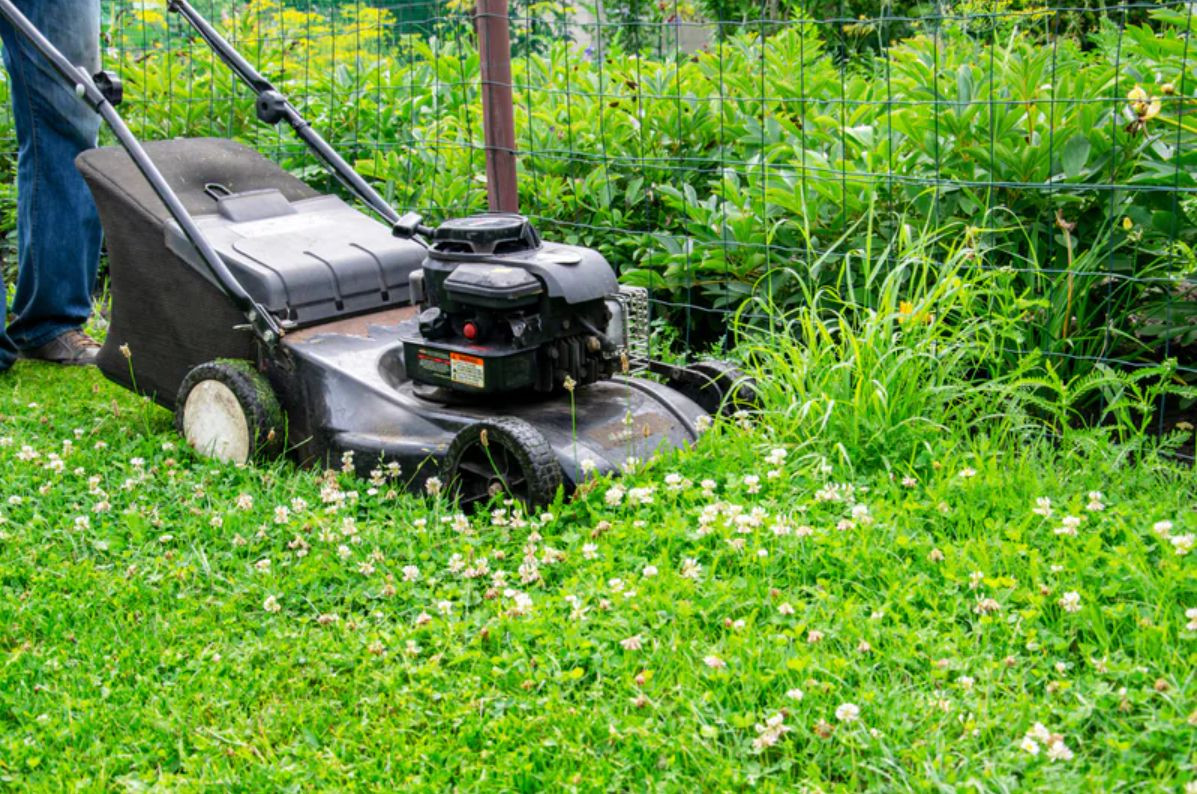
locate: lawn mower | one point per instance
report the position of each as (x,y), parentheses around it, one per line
(275,319)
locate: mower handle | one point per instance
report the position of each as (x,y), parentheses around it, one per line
(261,320)
(272,107)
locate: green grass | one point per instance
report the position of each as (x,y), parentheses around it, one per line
(137,646)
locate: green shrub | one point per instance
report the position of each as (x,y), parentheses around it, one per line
(705,176)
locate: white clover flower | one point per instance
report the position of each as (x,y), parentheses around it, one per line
(1162,528)
(423,619)
(1043,507)
(770,732)
(785,609)
(271,604)
(444,607)
(1058,751)
(752,483)
(633,643)
(847,712)
(649,571)
(986,606)
(1071,601)
(433,485)
(590,551)
(1191,614)
(281,514)
(263,565)
(410,573)
(614,495)
(861,515)
(1182,544)
(640,496)
(714,662)
(794,694)
(691,569)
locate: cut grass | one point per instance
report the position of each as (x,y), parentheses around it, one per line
(138,648)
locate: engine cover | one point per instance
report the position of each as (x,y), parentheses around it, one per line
(503,311)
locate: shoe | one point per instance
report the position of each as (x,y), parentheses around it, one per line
(73,348)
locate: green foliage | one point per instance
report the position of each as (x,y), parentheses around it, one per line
(706,176)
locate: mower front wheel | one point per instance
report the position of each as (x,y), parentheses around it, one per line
(501,456)
(718,387)
(226,410)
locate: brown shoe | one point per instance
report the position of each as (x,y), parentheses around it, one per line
(73,348)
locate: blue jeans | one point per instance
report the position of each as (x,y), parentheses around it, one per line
(58,229)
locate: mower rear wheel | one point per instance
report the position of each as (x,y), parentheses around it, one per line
(718,387)
(226,410)
(501,456)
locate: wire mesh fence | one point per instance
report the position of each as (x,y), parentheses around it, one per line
(723,152)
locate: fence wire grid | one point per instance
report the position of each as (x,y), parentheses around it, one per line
(771,154)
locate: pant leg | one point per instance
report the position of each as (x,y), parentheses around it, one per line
(58,229)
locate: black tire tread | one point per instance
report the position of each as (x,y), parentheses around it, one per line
(719,387)
(542,472)
(267,423)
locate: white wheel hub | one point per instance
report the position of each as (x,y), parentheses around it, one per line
(214,422)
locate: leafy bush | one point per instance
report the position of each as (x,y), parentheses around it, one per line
(705,176)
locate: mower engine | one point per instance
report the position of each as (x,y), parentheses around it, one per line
(502,311)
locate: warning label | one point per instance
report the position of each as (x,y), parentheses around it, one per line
(433,362)
(468,370)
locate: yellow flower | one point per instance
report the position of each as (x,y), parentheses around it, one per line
(150,17)
(1127,223)
(905,309)
(1144,108)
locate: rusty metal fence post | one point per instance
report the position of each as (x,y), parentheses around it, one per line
(498,112)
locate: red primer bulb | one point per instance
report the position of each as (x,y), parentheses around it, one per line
(470,331)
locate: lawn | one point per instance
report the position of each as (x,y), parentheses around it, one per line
(744,615)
